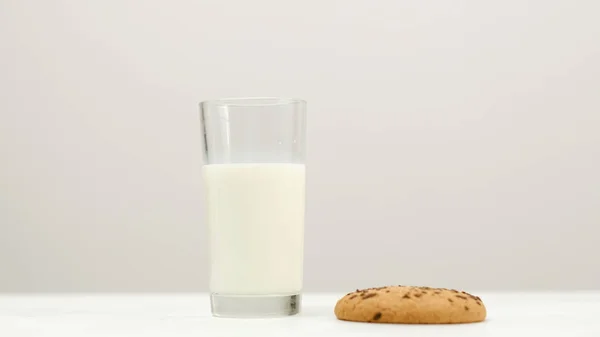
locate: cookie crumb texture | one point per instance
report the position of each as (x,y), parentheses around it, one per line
(410,305)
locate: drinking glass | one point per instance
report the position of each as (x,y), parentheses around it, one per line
(254,175)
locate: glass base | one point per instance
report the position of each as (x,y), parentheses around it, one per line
(254,306)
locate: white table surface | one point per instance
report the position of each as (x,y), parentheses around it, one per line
(509,314)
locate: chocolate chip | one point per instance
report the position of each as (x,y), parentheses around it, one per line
(466,308)
(387,291)
(424,292)
(461,296)
(417,295)
(406,296)
(377,316)
(352,297)
(478,303)
(369,296)
(450,300)
(454,291)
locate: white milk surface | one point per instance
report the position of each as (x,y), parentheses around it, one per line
(256,225)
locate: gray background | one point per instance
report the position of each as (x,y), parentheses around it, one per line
(451,143)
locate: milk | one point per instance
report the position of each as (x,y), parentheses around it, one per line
(256,225)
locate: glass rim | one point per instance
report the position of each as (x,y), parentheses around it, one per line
(252,101)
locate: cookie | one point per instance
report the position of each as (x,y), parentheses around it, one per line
(410,305)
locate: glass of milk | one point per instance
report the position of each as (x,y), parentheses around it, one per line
(254,176)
